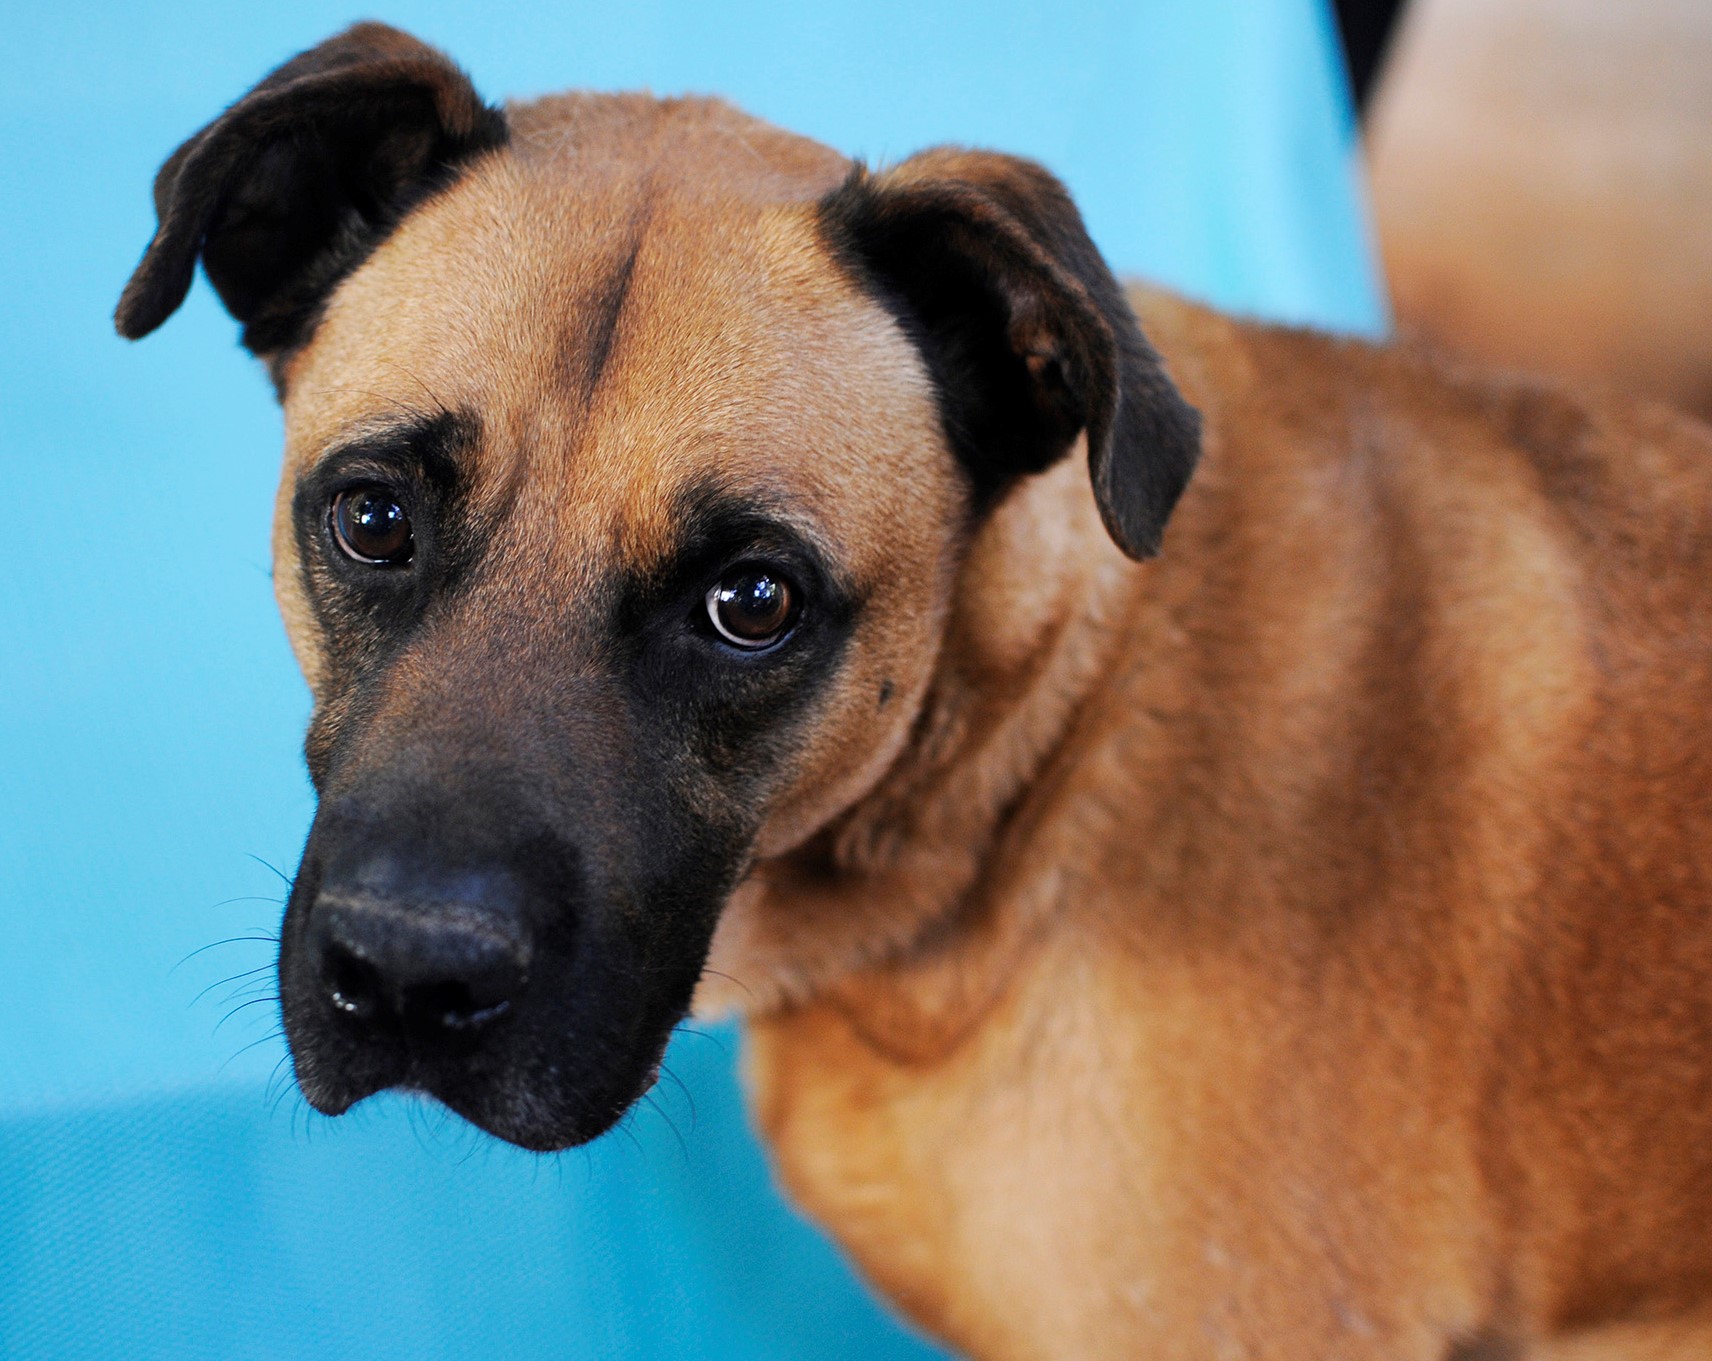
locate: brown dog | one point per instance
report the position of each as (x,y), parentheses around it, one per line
(1298,946)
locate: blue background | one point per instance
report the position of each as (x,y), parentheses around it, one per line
(155,1198)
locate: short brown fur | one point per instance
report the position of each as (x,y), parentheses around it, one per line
(1334,975)
(1296,946)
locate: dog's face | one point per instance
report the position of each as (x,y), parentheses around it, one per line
(632,450)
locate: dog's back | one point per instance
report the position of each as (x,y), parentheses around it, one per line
(1343,986)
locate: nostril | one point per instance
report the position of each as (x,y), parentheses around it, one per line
(451,1005)
(353,985)
(431,969)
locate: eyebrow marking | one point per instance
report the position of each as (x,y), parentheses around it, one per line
(429,442)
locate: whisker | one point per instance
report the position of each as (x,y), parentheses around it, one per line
(623,1126)
(215,944)
(244,1006)
(254,991)
(730,979)
(395,403)
(413,1118)
(479,1142)
(270,1097)
(277,1034)
(683,1148)
(247,973)
(284,878)
(678,1082)
(720,1042)
(427,391)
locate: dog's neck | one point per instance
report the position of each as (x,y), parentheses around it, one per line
(890,902)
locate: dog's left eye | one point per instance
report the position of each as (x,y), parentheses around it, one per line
(752,607)
(372,527)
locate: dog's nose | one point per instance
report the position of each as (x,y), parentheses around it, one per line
(437,959)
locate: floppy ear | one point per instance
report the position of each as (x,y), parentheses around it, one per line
(288,190)
(985,261)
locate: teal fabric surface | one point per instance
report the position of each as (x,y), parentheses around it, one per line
(162,1192)
(197,1227)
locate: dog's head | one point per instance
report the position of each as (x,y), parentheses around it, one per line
(633,448)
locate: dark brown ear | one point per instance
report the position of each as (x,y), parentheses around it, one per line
(288,190)
(984,260)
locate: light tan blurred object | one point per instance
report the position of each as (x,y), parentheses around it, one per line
(1542,182)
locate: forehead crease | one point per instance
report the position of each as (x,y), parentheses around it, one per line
(504,299)
(591,344)
(746,359)
(716,316)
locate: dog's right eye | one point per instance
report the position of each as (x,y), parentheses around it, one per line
(752,608)
(372,527)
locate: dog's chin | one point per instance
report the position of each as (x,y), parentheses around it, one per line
(548,1122)
(527,1126)
(535,1107)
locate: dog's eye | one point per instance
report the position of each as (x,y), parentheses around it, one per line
(372,527)
(752,607)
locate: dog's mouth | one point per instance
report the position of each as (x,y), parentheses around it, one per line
(541,1077)
(529,1106)
(524,999)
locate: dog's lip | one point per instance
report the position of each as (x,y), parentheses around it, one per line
(419,1082)
(331,1105)
(332,1088)
(335,1100)
(440,1083)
